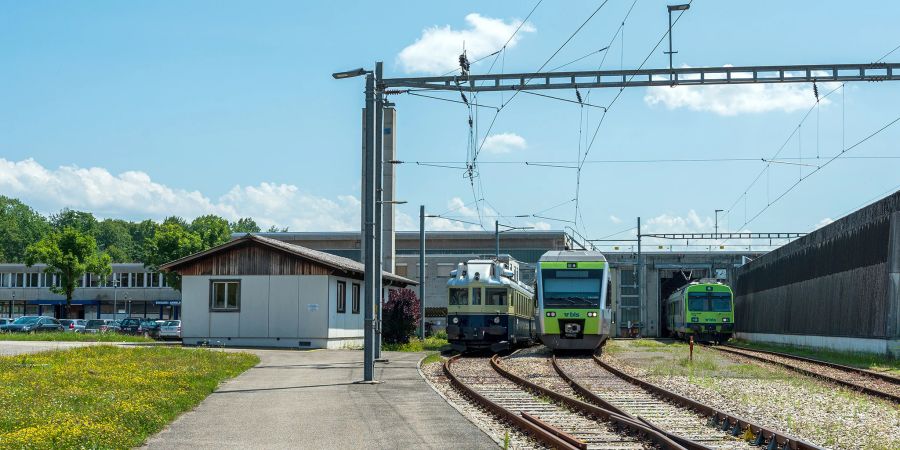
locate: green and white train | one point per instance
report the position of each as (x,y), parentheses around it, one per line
(704,310)
(572,292)
(488,308)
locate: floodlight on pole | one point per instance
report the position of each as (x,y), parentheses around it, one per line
(350,73)
(682,7)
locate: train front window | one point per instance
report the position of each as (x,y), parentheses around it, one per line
(721,301)
(698,301)
(476,296)
(572,288)
(495,297)
(459,296)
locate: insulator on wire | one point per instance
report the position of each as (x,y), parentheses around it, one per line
(578,96)
(470,121)
(463,95)
(464,64)
(816,91)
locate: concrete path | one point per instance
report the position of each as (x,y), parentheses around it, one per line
(308,399)
(8,348)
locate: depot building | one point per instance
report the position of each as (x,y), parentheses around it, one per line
(257,291)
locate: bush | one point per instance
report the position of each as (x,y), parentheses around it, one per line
(400,317)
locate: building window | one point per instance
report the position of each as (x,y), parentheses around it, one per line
(225,295)
(355,298)
(341,297)
(18,280)
(402,270)
(33,279)
(445,269)
(154,279)
(139,279)
(124,280)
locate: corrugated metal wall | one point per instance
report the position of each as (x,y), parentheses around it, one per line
(833,282)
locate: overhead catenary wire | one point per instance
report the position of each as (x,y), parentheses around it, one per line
(791,188)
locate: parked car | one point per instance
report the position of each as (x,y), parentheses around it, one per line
(5,321)
(113,326)
(98,326)
(73,325)
(28,324)
(139,326)
(171,329)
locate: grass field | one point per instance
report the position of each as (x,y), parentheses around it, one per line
(105,396)
(869,361)
(73,337)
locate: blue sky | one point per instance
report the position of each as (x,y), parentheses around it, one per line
(145,109)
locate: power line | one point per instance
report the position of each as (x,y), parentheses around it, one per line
(888,54)
(791,188)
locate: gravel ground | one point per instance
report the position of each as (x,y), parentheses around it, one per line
(496,429)
(843,375)
(811,410)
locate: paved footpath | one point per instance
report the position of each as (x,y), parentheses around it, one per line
(8,348)
(308,399)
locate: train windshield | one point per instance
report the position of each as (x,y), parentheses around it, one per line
(709,301)
(459,296)
(571,288)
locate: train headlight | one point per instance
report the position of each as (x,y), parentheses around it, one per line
(551,314)
(456,320)
(724,319)
(592,314)
(497,319)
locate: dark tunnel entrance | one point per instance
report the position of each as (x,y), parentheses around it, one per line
(669,281)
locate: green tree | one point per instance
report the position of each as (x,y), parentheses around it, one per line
(176,220)
(84,222)
(19,226)
(170,242)
(213,230)
(68,254)
(140,232)
(114,237)
(245,225)
(274,229)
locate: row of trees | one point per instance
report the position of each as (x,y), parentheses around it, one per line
(72,243)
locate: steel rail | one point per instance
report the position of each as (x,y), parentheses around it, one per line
(600,401)
(542,433)
(847,384)
(869,373)
(721,418)
(586,408)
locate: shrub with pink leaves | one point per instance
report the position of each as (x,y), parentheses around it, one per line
(400,316)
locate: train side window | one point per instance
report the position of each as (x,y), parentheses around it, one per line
(495,297)
(459,296)
(476,296)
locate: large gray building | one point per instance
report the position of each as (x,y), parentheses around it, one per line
(131,290)
(663,271)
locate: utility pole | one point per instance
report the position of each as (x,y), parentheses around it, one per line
(369,233)
(379,204)
(422,269)
(717,220)
(497,238)
(640,267)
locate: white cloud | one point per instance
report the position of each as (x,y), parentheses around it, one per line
(730,100)
(133,194)
(666,223)
(540,225)
(503,143)
(614,219)
(438,49)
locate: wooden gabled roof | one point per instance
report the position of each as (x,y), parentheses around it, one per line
(188,264)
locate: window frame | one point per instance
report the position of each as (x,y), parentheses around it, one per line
(212,294)
(354,298)
(341,297)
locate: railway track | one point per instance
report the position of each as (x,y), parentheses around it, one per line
(871,383)
(684,418)
(555,420)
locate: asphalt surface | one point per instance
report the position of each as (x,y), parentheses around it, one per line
(309,399)
(8,348)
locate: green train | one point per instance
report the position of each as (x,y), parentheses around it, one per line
(572,291)
(704,310)
(488,308)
